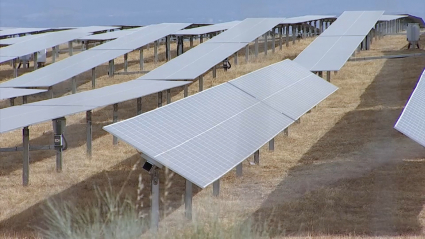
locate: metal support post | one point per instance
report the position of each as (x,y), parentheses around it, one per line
(304,31)
(216,188)
(280,37)
(201,39)
(328,76)
(273,40)
(50,92)
(191,41)
(239,170)
(320,73)
(271,145)
(188,200)
(235,58)
(155,51)
(139,105)
(247,53)
(159,99)
(155,199)
(265,43)
(287,35)
(186,91)
(115,119)
(12,101)
(167,48)
(125,62)
(168,96)
(320,27)
(141,60)
(299,32)
(286,132)
(15,69)
(70,50)
(257,157)
(201,83)
(89,132)
(315,27)
(93,77)
(256,47)
(26,156)
(111,68)
(86,45)
(59,129)
(214,71)
(24,99)
(294,33)
(74,85)
(35,60)
(53,54)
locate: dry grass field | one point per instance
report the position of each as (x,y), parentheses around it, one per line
(343,172)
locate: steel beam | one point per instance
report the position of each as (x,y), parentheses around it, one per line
(191,41)
(265,43)
(186,91)
(280,37)
(12,101)
(287,35)
(168,96)
(15,69)
(35,60)
(273,40)
(247,53)
(53,54)
(235,58)
(328,76)
(167,48)
(214,71)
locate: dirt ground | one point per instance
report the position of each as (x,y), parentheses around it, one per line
(343,171)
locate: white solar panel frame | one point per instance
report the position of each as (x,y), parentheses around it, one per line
(108,35)
(16,31)
(353,23)
(207,29)
(16,92)
(412,120)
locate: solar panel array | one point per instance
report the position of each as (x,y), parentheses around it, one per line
(28,114)
(207,29)
(204,136)
(391,17)
(335,45)
(15,31)
(16,92)
(411,122)
(86,60)
(109,35)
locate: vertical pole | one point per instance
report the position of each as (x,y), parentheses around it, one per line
(125,62)
(320,27)
(24,99)
(93,77)
(15,69)
(214,72)
(155,51)
(299,32)
(201,83)
(287,35)
(167,48)
(155,199)
(247,53)
(304,31)
(74,85)
(265,43)
(256,47)
(271,145)
(59,130)
(216,187)
(168,96)
(286,132)
(273,40)
(315,27)
(235,58)
(294,33)
(70,48)
(328,76)
(115,119)
(53,54)
(201,39)
(159,99)
(89,132)
(35,60)
(139,106)
(141,60)
(86,45)
(111,70)
(50,92)
(188,200)
(280,37)
(186,91)
(26,156)
(191,41)
(239,170)
(257,157)
(12,101)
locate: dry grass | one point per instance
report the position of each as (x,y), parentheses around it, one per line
(342,173)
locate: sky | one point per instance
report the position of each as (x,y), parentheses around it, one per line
(60,13)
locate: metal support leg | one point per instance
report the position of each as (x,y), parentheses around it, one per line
(280,37)
(294,34)
(271,145)
(168,48)
(139,105)
(188,200)
(265,44)
(216,188)
(239,170)
(115,119)
(74,85)
(141,60)
(287,35)
(191,42)
(125,62)
(256,47)
(201,39)
(93,77)
(89,132)
(214,72)
(53,54)
(24,99)
(12,101)
(168,96)
(15,69)
(328,76)
(236,58)
(59,131)
(50,92)
(155,51)
(273,40)
(35,60)
(26,156)
(155,200)
(286,132)
(159,99)
(201,83)
(111,68)
(247,53)
(186,91)
(257,157)
(70,50)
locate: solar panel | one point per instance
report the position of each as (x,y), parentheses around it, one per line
(86,60)
(24,115)
(391,17)
(411,122)
(15,92)
(15,31)
(13,40)
(328,53)
(205,135)
(307,18)
(247,30)
(108,35)
(207,29)
(194,62)
(353,23)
